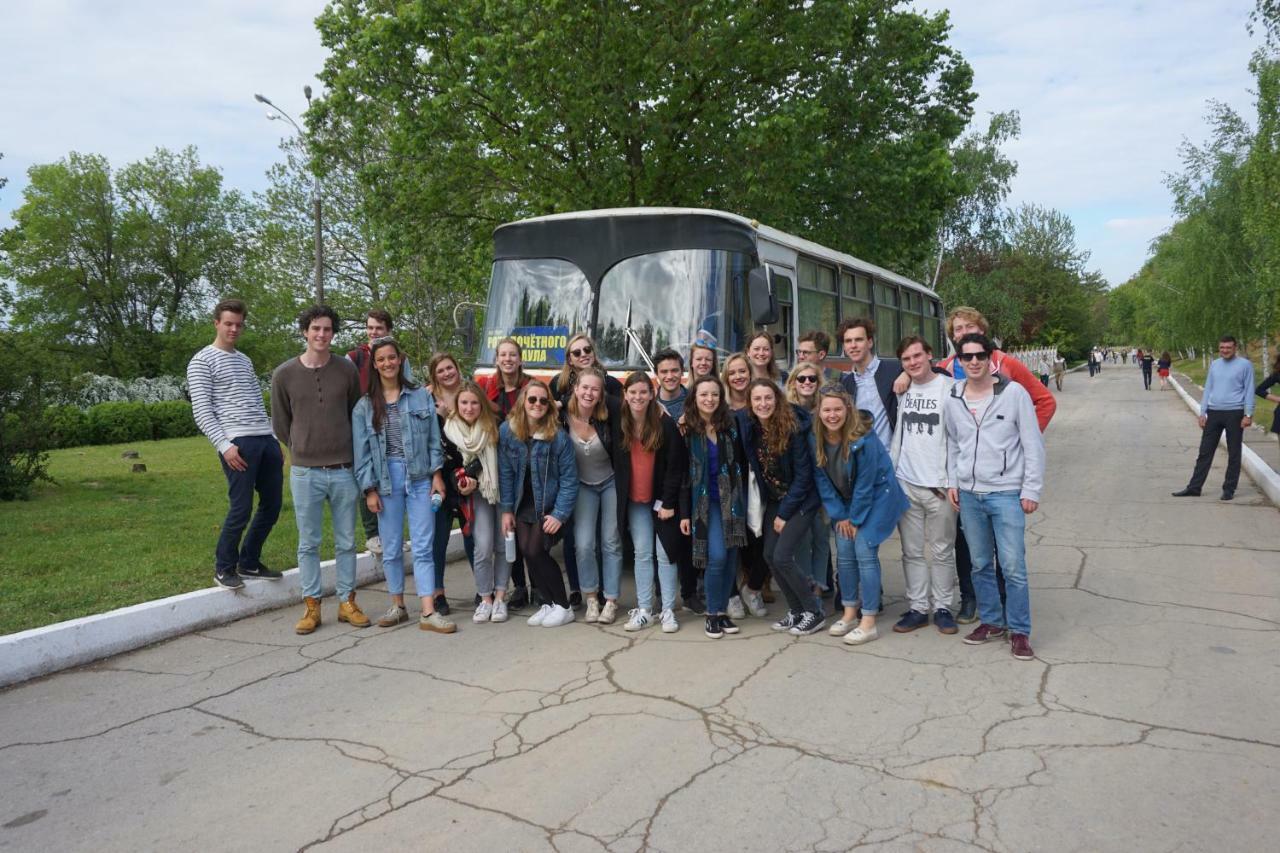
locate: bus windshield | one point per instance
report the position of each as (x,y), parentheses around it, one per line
(670,298)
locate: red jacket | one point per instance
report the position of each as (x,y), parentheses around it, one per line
(1002,362)
(491,385)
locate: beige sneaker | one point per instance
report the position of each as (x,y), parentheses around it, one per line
(609,612)
(593,608)
(436,623)
(394,616)
(310,619)
(350,612)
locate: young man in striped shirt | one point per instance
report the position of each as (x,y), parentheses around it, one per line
(226,402)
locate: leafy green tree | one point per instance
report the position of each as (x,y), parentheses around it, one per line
(828,118)
(24,437)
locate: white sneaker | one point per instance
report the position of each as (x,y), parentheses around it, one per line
(639,620)
(484,611)
(669,623)
(537,618)
(840,627)
(755,603)
(609,612)
(593,608)
(857,636)
(374,544)
(499,612)
(735,608)
(557,616)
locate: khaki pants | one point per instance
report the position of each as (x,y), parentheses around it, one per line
(928,533)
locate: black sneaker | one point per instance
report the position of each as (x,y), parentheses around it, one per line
(787,622)
(260,571)
(713,629)
(695,604)
(476,602)
(441,604)
(726,624)
(519,598)
(575,599)
(808,623)
(227,578)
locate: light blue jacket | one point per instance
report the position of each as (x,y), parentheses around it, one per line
(419,429)
(877,501)
(549,463)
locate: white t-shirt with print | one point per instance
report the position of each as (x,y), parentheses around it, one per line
(922,460)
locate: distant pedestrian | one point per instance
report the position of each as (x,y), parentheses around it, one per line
(1162,368)
(1146,361)
(1059,370)
(1264,391)
(226,402)
(995,462)
(1226,406)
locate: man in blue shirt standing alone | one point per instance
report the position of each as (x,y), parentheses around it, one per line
(1227,405)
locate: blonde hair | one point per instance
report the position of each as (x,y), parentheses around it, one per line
(564,381)
(964,312)
(488,423)
(729,394)
(855,426)
(601,411)
(521,427)
(793,395)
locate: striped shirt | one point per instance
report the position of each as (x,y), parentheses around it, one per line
(391,428)
(226,399)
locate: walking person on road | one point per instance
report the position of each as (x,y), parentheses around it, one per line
(1162,368)
(226,403)
(1146,360)
(398,459)
(1059,370)
(311,401)
(995,472)
(1226,406)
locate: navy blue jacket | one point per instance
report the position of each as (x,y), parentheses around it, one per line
(797,463)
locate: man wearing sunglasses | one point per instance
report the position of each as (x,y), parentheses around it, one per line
(995,472)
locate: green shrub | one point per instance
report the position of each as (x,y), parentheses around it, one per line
(171,419)
(68,426)
(116,423)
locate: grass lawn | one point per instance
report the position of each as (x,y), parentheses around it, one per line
(102,537)
(1263,410)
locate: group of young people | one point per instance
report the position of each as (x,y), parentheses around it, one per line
(716,478)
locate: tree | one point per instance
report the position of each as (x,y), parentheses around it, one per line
(111,269)
(828,118)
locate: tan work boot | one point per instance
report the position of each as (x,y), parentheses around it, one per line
(311,619)
(350,612)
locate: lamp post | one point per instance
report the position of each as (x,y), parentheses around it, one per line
(281,115)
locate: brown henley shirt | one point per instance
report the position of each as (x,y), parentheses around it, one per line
(311,410)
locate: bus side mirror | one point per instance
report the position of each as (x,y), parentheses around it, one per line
(760,298)
(465,320)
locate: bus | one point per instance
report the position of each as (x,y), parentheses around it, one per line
(639,280)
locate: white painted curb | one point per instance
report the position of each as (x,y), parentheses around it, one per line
(1253,464)
(45,650)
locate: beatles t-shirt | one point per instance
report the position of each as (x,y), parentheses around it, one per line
(922,459)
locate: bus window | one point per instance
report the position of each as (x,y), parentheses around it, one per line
(540,302)
(888,332)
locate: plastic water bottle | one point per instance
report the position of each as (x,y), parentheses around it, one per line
(510,542)
(436,500)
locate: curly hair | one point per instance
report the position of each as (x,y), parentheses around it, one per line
(780,425)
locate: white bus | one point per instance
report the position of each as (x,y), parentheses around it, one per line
(642,279)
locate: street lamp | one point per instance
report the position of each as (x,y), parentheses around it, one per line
(281,115)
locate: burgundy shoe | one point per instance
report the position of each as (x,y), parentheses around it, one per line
(1021,647)
(983,633)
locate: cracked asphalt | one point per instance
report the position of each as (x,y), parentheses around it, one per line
(1148,721)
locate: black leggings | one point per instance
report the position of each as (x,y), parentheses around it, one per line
(544,571)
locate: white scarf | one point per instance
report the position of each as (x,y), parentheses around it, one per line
(472,441)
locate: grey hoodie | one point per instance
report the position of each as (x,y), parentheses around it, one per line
(1003,452)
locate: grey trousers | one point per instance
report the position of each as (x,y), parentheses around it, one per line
(492,570)
(780,555)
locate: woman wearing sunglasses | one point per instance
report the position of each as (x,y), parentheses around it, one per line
(813,552)
(398,457)
(802,386)
(537,489)
(862,496)
(580,354)
(593,421)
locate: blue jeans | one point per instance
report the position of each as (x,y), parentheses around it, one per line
(858,565)
(442,527)
(722,563)
(311,487)
(412,498)
(601,502)
(995,522)
(264,474)
(640,520)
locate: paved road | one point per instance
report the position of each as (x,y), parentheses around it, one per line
(1148,723)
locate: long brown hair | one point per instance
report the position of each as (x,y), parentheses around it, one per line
(694,420)
(565,379)
(649,428)
(486,419)
(778,428)
(375,388)
(855,425)
(520,377)
(521,427)
(601,411)
(438,359)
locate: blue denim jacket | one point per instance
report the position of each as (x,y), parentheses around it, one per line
(419,429)
(555,473)
(877,502)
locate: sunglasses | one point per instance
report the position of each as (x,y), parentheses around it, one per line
(581,351)
(974,356)
(807,379)
(537,401)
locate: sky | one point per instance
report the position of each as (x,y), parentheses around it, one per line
(1106,92)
